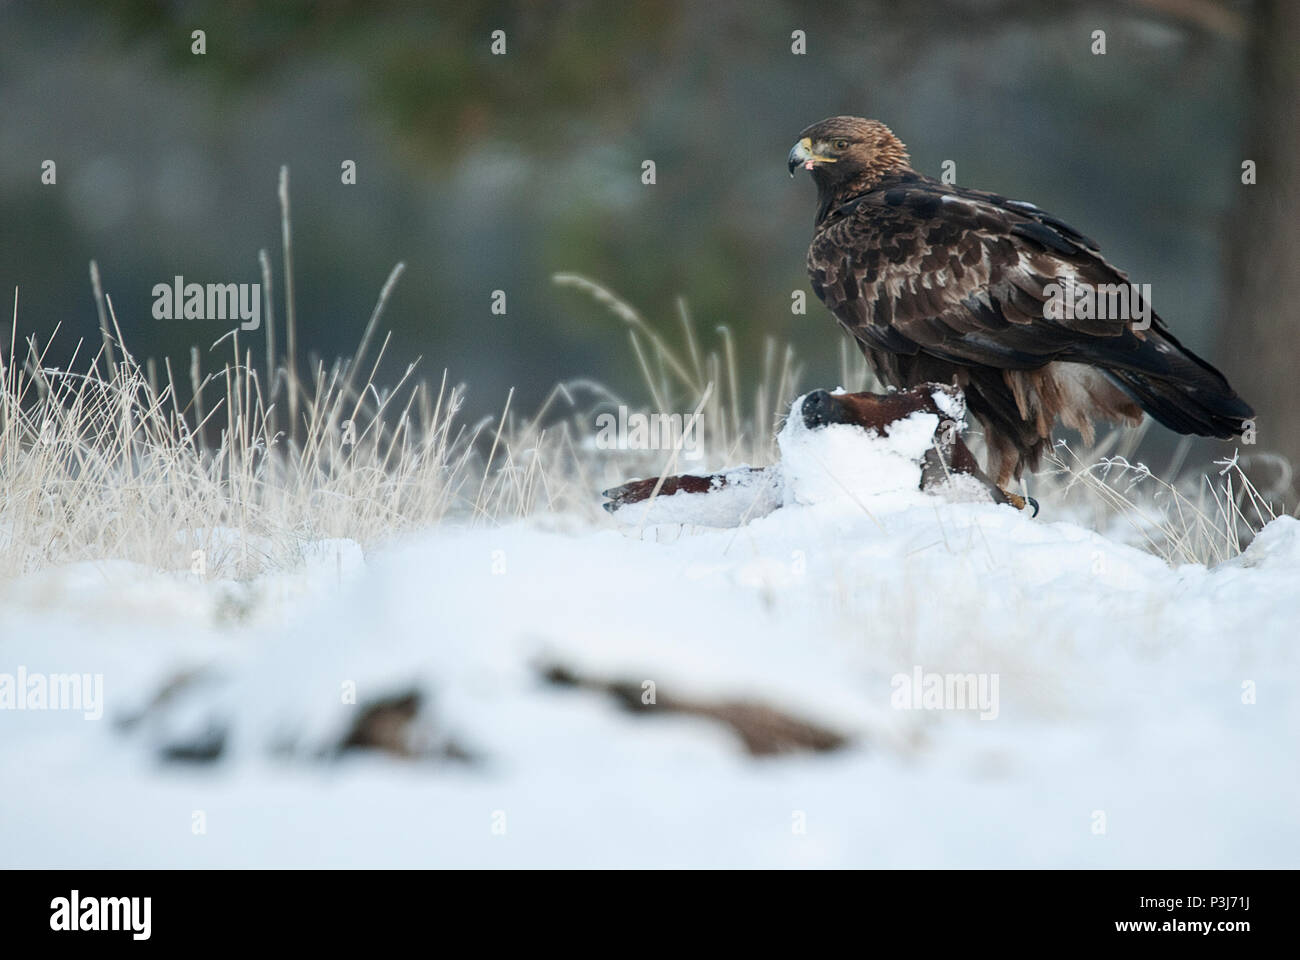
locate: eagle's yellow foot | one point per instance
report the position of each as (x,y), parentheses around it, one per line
(1019,502)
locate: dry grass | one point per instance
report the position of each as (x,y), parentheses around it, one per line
(233,469)
(1189,520)
(100,464)
(241,464)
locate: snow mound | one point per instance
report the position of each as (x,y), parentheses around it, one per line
(1126,688)
(845,464)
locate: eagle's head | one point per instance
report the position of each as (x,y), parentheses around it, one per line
(846,154)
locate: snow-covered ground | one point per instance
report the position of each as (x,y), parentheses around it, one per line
(1143,716)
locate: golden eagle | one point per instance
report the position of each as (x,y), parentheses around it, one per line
(940,283)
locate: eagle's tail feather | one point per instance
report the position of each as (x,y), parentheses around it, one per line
(1188,400)
(1172,384)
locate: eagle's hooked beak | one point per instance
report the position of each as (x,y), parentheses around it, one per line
(801,155)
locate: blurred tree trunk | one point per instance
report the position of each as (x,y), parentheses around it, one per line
(1260,329)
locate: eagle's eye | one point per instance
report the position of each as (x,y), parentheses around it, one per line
(840,144)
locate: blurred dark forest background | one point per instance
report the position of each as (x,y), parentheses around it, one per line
(487,172)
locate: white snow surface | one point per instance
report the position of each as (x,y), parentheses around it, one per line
(1146,717)
(843,462)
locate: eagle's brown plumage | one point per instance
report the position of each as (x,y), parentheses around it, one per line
(940,283)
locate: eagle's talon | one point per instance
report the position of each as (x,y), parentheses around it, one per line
(1019,502)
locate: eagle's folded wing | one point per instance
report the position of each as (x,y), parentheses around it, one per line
(919,270)
(962,276)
